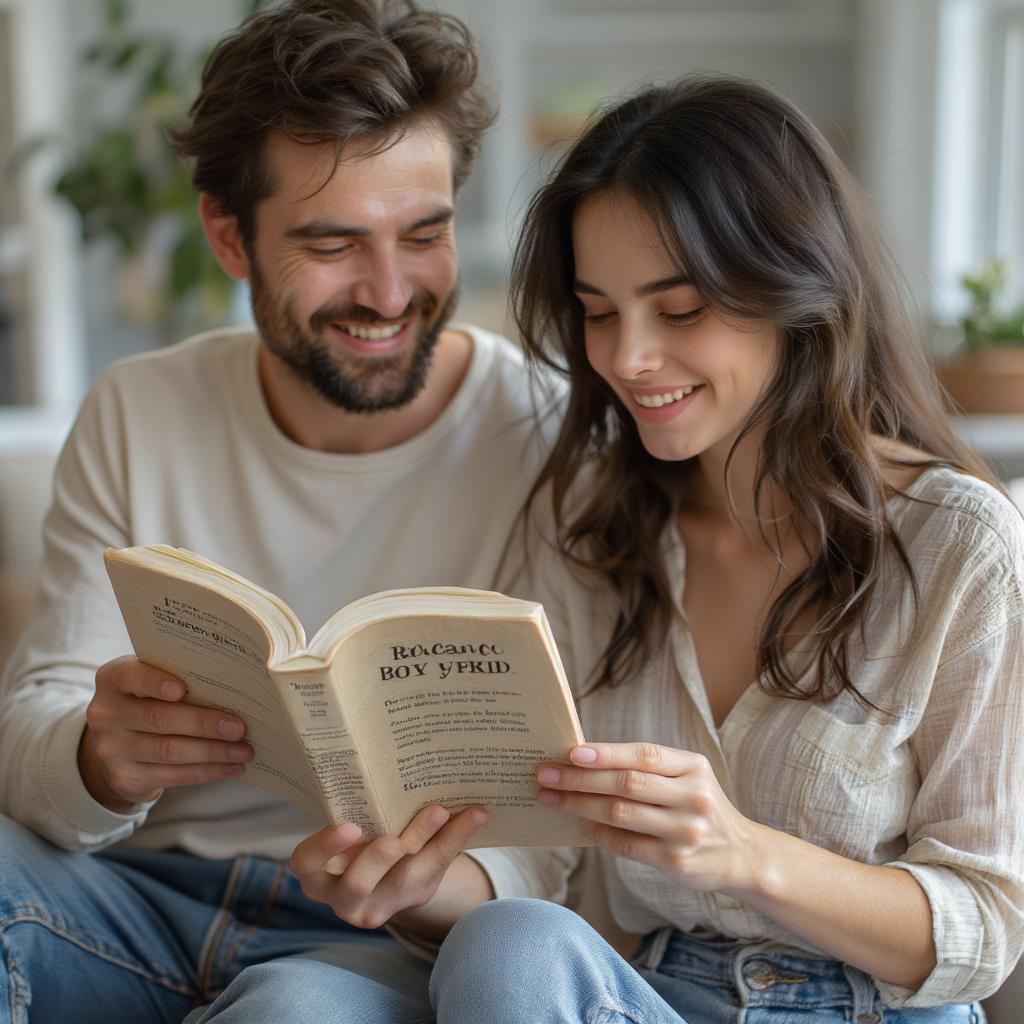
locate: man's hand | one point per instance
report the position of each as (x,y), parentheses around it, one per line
(420,875)
(141,737)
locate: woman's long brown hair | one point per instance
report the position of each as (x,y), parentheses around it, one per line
(754,207)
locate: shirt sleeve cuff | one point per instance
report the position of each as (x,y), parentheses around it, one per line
(956,962)
(535,872)
(79,820)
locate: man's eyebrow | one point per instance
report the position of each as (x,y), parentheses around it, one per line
(322,228)
(663,284)
(439,216)
(314,229)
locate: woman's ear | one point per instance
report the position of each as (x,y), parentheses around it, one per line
(225,238)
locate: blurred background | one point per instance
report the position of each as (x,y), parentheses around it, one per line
(101,254)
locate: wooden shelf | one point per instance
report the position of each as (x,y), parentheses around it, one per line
(998,439)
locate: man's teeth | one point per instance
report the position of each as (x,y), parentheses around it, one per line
(657,401)
(372,333)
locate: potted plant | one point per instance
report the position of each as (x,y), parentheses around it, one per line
(987,374)
(128,185)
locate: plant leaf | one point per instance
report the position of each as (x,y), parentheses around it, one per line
(115,13)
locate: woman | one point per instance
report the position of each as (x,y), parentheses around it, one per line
(797,600)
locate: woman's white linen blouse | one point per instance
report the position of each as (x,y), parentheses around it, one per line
(933,788)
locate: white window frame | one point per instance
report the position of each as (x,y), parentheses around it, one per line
(46,242)
(978,208)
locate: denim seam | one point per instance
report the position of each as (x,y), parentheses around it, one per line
(609,1013)
(207,955)
(20,993)
(224,917)
(272,891)
(205,968)
(102,954)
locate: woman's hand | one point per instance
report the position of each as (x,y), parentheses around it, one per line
(659,806)
(368,884)
(664,807)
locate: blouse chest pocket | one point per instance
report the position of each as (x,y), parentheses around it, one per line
(851,785)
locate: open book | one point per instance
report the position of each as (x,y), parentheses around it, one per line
(402,699)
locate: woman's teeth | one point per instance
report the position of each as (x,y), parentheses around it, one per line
(657,401)
(371,333)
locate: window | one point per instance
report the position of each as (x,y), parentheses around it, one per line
(41,343)
(979,145)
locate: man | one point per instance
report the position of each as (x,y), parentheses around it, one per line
(358,443)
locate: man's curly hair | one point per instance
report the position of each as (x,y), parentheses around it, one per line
(329,71)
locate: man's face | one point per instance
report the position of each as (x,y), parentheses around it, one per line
(353,280)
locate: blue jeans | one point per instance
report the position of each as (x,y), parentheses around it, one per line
(133,936)
(714,981)
(529,962)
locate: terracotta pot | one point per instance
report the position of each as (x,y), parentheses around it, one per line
(988,380)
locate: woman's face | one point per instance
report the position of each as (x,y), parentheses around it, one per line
(689,377)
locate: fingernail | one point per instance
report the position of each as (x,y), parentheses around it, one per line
(548,776)
(584,755)
(349,831)
(172,689)
(438,818)
(240,752)
(230,729)
(233,769)
(547,796)
(478,818)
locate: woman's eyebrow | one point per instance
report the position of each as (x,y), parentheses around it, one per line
(663,284)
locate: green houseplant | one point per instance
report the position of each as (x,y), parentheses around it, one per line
(128,185)
(987,374)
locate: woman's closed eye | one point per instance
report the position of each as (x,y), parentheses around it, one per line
(684,318)
(675,319)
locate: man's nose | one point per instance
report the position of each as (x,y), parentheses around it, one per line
(384,286)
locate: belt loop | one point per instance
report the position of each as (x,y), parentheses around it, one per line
(656,951)
(865,994)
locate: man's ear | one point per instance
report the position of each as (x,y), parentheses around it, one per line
(224,237)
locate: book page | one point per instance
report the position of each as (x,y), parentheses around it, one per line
(220,650)
(315,709)
(458,710)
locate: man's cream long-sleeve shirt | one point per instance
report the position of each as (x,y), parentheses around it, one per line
(178,447)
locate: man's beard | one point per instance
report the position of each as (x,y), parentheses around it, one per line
(356,384)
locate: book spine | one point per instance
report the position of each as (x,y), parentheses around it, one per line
(331,746)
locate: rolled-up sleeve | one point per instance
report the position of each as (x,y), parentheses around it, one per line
(538,872)
(966,830)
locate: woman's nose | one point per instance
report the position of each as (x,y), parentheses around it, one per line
(636,352)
